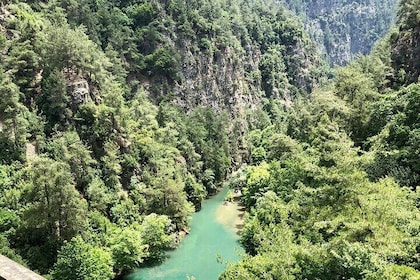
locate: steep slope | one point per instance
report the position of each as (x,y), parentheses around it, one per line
(405,43)
(220,54)
(332,190)
(343,29)
(117,118)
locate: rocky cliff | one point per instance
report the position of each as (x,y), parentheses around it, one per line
(342,29)
(231,54)
(405,43)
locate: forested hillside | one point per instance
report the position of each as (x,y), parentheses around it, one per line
(342,29)
(117,118)
(332,190)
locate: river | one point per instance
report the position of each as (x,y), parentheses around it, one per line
(212,238)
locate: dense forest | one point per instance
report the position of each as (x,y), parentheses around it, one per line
(117,118)
(332,190)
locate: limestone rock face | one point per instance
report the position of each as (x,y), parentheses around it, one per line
(239,68)
(79,91)
(343,29)
(217,80)
(271,56)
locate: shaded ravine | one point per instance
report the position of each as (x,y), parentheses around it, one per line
(203,253)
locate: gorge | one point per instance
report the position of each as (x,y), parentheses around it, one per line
(119,118)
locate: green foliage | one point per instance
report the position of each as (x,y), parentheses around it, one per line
(337,223)
(195,191)
(98,195)
(56,212)
(274,80)
(163,62)
(256,183)
(56,204)
(332,183)
(401,272)
(282,146)
(115,175)
(8,252)
(208,133)
(258,155)
(125,213)
(128,250)
(58,101)
(142,14)
(358,90)
(68,147)
(348,261)
(396,144)
(64,48)
(79,260)
(13,130)
(156,232)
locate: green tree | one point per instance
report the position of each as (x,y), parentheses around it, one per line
(359,91)
(157,234)
(256,183)
(55,101)
(56,204)
(68,147)
(13,132)
(258,155)
(128,249)
(80,260)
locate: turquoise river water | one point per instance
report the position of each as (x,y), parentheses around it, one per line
(198,256)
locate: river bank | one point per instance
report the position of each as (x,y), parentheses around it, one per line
(231,215)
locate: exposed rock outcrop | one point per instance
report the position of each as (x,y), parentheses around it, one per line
(405,44)
(223,55)
(343,29)
(217,80)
